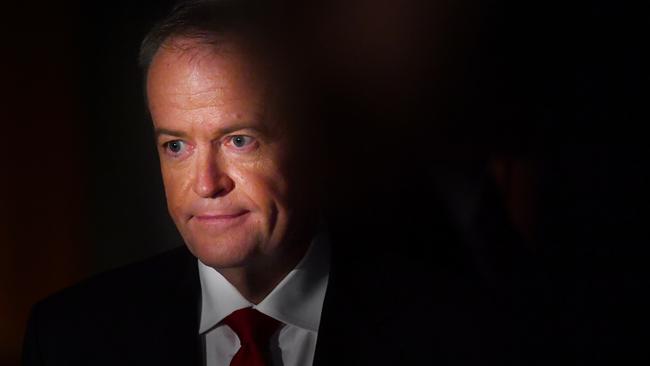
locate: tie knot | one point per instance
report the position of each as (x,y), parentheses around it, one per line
(252,326)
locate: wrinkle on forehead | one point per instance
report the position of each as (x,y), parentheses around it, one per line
(200,87)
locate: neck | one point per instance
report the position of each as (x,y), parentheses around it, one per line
(256,280)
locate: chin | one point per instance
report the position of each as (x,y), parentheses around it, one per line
(227,252)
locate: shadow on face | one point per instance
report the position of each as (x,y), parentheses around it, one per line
(225,154)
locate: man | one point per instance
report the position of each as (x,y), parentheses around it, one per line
(227,149)
(256,284)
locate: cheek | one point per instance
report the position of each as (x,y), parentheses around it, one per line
(176,183)
(264,184)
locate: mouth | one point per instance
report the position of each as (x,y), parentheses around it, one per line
(220,219)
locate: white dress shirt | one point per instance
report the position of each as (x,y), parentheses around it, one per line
(297,301)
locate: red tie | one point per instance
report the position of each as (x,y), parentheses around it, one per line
(254,330)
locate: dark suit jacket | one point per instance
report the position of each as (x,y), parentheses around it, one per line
(384,306)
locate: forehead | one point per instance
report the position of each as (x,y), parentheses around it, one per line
(200,87)
(192,73)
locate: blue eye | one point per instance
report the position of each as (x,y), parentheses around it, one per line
(241,140)
(175,146)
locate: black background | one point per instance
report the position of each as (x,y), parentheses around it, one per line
(81,190)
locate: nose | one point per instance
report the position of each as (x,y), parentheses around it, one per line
(210,179)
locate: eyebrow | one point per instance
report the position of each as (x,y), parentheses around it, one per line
(221,131)
(165,131)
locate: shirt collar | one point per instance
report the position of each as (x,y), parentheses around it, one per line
(297,300)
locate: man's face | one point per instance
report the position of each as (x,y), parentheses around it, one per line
(223,155)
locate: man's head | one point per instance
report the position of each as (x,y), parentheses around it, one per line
(226,144)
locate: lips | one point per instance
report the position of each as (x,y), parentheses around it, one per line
(220,219)
(220,216)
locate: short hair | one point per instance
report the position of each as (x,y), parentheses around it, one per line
(206,21)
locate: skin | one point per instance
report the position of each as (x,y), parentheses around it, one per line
(224,156)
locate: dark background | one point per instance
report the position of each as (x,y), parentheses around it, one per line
(544,102)
(81,190)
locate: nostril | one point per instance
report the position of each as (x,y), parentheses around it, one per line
(209,186)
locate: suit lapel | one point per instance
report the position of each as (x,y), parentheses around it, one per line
(174,319)
(348,321)
(332,322)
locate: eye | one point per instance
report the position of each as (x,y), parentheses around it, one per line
(241,142)
(175,147)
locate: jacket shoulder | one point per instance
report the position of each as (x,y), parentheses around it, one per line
(123,285)
(112,310)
